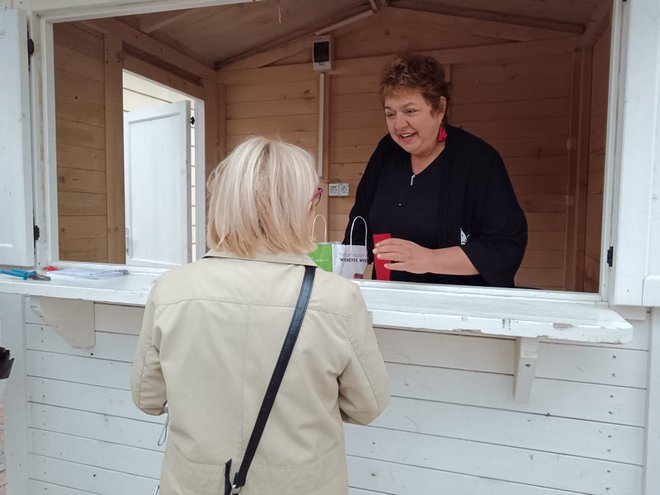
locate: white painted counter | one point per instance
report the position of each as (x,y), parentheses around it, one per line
(502,312)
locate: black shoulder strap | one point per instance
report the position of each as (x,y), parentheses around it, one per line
(275,381)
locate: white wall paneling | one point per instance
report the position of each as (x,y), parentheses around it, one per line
(535,468)
(85,433)
(652,446)
(53,471)
(453,421)
(450,423)
(16,411)
(118,319)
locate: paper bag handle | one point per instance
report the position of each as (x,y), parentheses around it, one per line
(325,227)
(365,230)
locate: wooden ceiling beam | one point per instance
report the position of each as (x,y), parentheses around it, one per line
(144,43)
(500,53)
(262,56)
(508,19)
(167,78)
(344,22)
(507,51)
(489,28)
(599,22)
(285,47)
(163,19)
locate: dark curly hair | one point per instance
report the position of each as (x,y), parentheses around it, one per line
(412,71)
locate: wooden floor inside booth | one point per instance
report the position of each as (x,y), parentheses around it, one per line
(533,82)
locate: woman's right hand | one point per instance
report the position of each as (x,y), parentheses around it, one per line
(405,256)
(410,257)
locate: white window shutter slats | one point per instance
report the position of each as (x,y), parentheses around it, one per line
(16,206)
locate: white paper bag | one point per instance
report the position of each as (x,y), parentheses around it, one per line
(350,260)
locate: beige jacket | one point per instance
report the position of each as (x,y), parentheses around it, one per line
(210,338)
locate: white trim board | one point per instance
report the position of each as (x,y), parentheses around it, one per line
(651,291)
(75,10)
(443,309)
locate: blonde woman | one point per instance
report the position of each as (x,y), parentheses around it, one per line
(213,329)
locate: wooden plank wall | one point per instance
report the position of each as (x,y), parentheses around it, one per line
(599,106)
(356,125)
(520,105)
(275,101)
(452,425)
(519,100)
(89,58)
(85,434)
(522,109)
(81,144)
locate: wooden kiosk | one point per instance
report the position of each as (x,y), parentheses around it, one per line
(550,390)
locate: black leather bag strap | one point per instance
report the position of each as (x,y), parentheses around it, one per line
(275,381)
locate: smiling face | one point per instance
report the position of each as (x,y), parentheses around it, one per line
(413,124)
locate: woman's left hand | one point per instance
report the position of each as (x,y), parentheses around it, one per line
(406,255)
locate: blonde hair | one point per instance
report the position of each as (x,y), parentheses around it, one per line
(259,199)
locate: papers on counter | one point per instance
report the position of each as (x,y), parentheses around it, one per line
(71,273)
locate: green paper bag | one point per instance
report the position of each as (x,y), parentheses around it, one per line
(322,255)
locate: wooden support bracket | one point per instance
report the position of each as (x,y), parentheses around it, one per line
(72,319)
(526,356)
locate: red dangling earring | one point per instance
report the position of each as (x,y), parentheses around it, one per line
(442,134)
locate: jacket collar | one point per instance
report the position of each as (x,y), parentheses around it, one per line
(285,258)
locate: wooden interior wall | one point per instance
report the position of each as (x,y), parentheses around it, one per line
(89,58)
(522,109)
(81,144)
(599,106)
(516,96)
(357,124)
(276,101)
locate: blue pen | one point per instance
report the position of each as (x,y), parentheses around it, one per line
(24,274)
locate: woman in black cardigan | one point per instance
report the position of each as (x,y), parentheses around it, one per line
(442,194)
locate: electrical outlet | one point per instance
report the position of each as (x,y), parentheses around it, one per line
(333,189)
(343,189)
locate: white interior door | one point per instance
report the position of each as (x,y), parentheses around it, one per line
(157,185)
(16,217)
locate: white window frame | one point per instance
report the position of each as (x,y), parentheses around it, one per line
(632,281)
(47,12)
(44,116)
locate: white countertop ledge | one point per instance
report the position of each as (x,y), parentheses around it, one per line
(502,312)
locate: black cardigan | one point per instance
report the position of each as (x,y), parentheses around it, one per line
(466,190)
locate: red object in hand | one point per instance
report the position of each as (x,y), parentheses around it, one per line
(382,273)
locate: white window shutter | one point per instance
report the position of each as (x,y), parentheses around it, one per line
(16,207)
(635,244)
